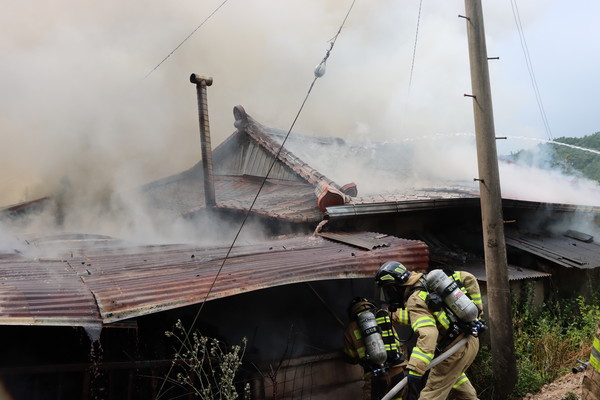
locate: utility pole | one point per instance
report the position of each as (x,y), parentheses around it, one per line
(499,306)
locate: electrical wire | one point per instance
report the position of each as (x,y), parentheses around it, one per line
(412,65)
(185,40)
(536,90)
(247,214)
(414,55)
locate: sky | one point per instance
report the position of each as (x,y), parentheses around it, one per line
(97,94)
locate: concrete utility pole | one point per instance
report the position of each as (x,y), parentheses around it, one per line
(201,83)
(499,307)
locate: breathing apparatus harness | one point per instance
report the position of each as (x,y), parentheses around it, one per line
(452,307)
(381,343)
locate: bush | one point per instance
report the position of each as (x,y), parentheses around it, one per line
(481,373)
(207,368)
(548,343)
(529,379)
(570,396)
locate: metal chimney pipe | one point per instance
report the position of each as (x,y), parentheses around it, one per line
(201,83)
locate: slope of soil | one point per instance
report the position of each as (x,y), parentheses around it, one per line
(558,389)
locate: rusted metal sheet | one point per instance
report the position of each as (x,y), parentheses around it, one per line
(45,292)
(287,200)
(364,240)
(92,286)
(25,206)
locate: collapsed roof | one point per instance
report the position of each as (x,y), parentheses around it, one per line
(296,189)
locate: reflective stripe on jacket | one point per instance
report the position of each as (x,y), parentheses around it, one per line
(430,326)
(354,344)
(595,355)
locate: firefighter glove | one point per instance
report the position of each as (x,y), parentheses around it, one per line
(415,385)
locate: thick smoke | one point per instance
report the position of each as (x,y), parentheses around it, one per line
(86,115)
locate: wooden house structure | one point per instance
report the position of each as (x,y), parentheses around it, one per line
(93,309)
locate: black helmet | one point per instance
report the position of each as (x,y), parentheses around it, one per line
(392,278)
(392,272)
(358,305)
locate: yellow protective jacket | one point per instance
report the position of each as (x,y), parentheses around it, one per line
(591,379)
(431,327)
(354,344)
(595,354)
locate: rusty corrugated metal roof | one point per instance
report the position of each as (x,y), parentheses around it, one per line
(287,200)
(44,292)
(364,241)
(89,286)
(25,205)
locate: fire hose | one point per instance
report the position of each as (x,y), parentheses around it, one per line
(581,367)
(435,362)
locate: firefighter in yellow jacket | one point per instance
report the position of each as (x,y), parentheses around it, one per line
(591,379)
(436,329)
(371,341)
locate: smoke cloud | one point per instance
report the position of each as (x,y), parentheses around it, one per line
(87,110)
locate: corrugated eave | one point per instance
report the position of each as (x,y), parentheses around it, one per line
(102,286)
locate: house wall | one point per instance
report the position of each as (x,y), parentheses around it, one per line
(290,332)
(321,377)
(287,326)
(241,156)
(532,291)
(571,282)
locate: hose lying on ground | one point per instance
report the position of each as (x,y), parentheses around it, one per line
(435,362)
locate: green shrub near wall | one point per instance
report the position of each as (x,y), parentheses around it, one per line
(548,343)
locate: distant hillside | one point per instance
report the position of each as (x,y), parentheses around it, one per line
(571,160)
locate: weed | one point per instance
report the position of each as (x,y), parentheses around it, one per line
(570,396)
(548,342)
(207,367)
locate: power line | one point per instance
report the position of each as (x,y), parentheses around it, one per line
(273,162)
(186,38)
(536,90)
(412,65)
(317,75)
(414,55)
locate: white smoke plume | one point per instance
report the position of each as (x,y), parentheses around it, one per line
(82,102)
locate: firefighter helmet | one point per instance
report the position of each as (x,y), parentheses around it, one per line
(358,305)
(392,272)
(392,278)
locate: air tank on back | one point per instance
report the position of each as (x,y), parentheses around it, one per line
(462,306)
(375,347)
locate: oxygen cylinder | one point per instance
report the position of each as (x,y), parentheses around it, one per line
(374,345)
(462,306)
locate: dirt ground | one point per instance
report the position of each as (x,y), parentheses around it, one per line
(558,389)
